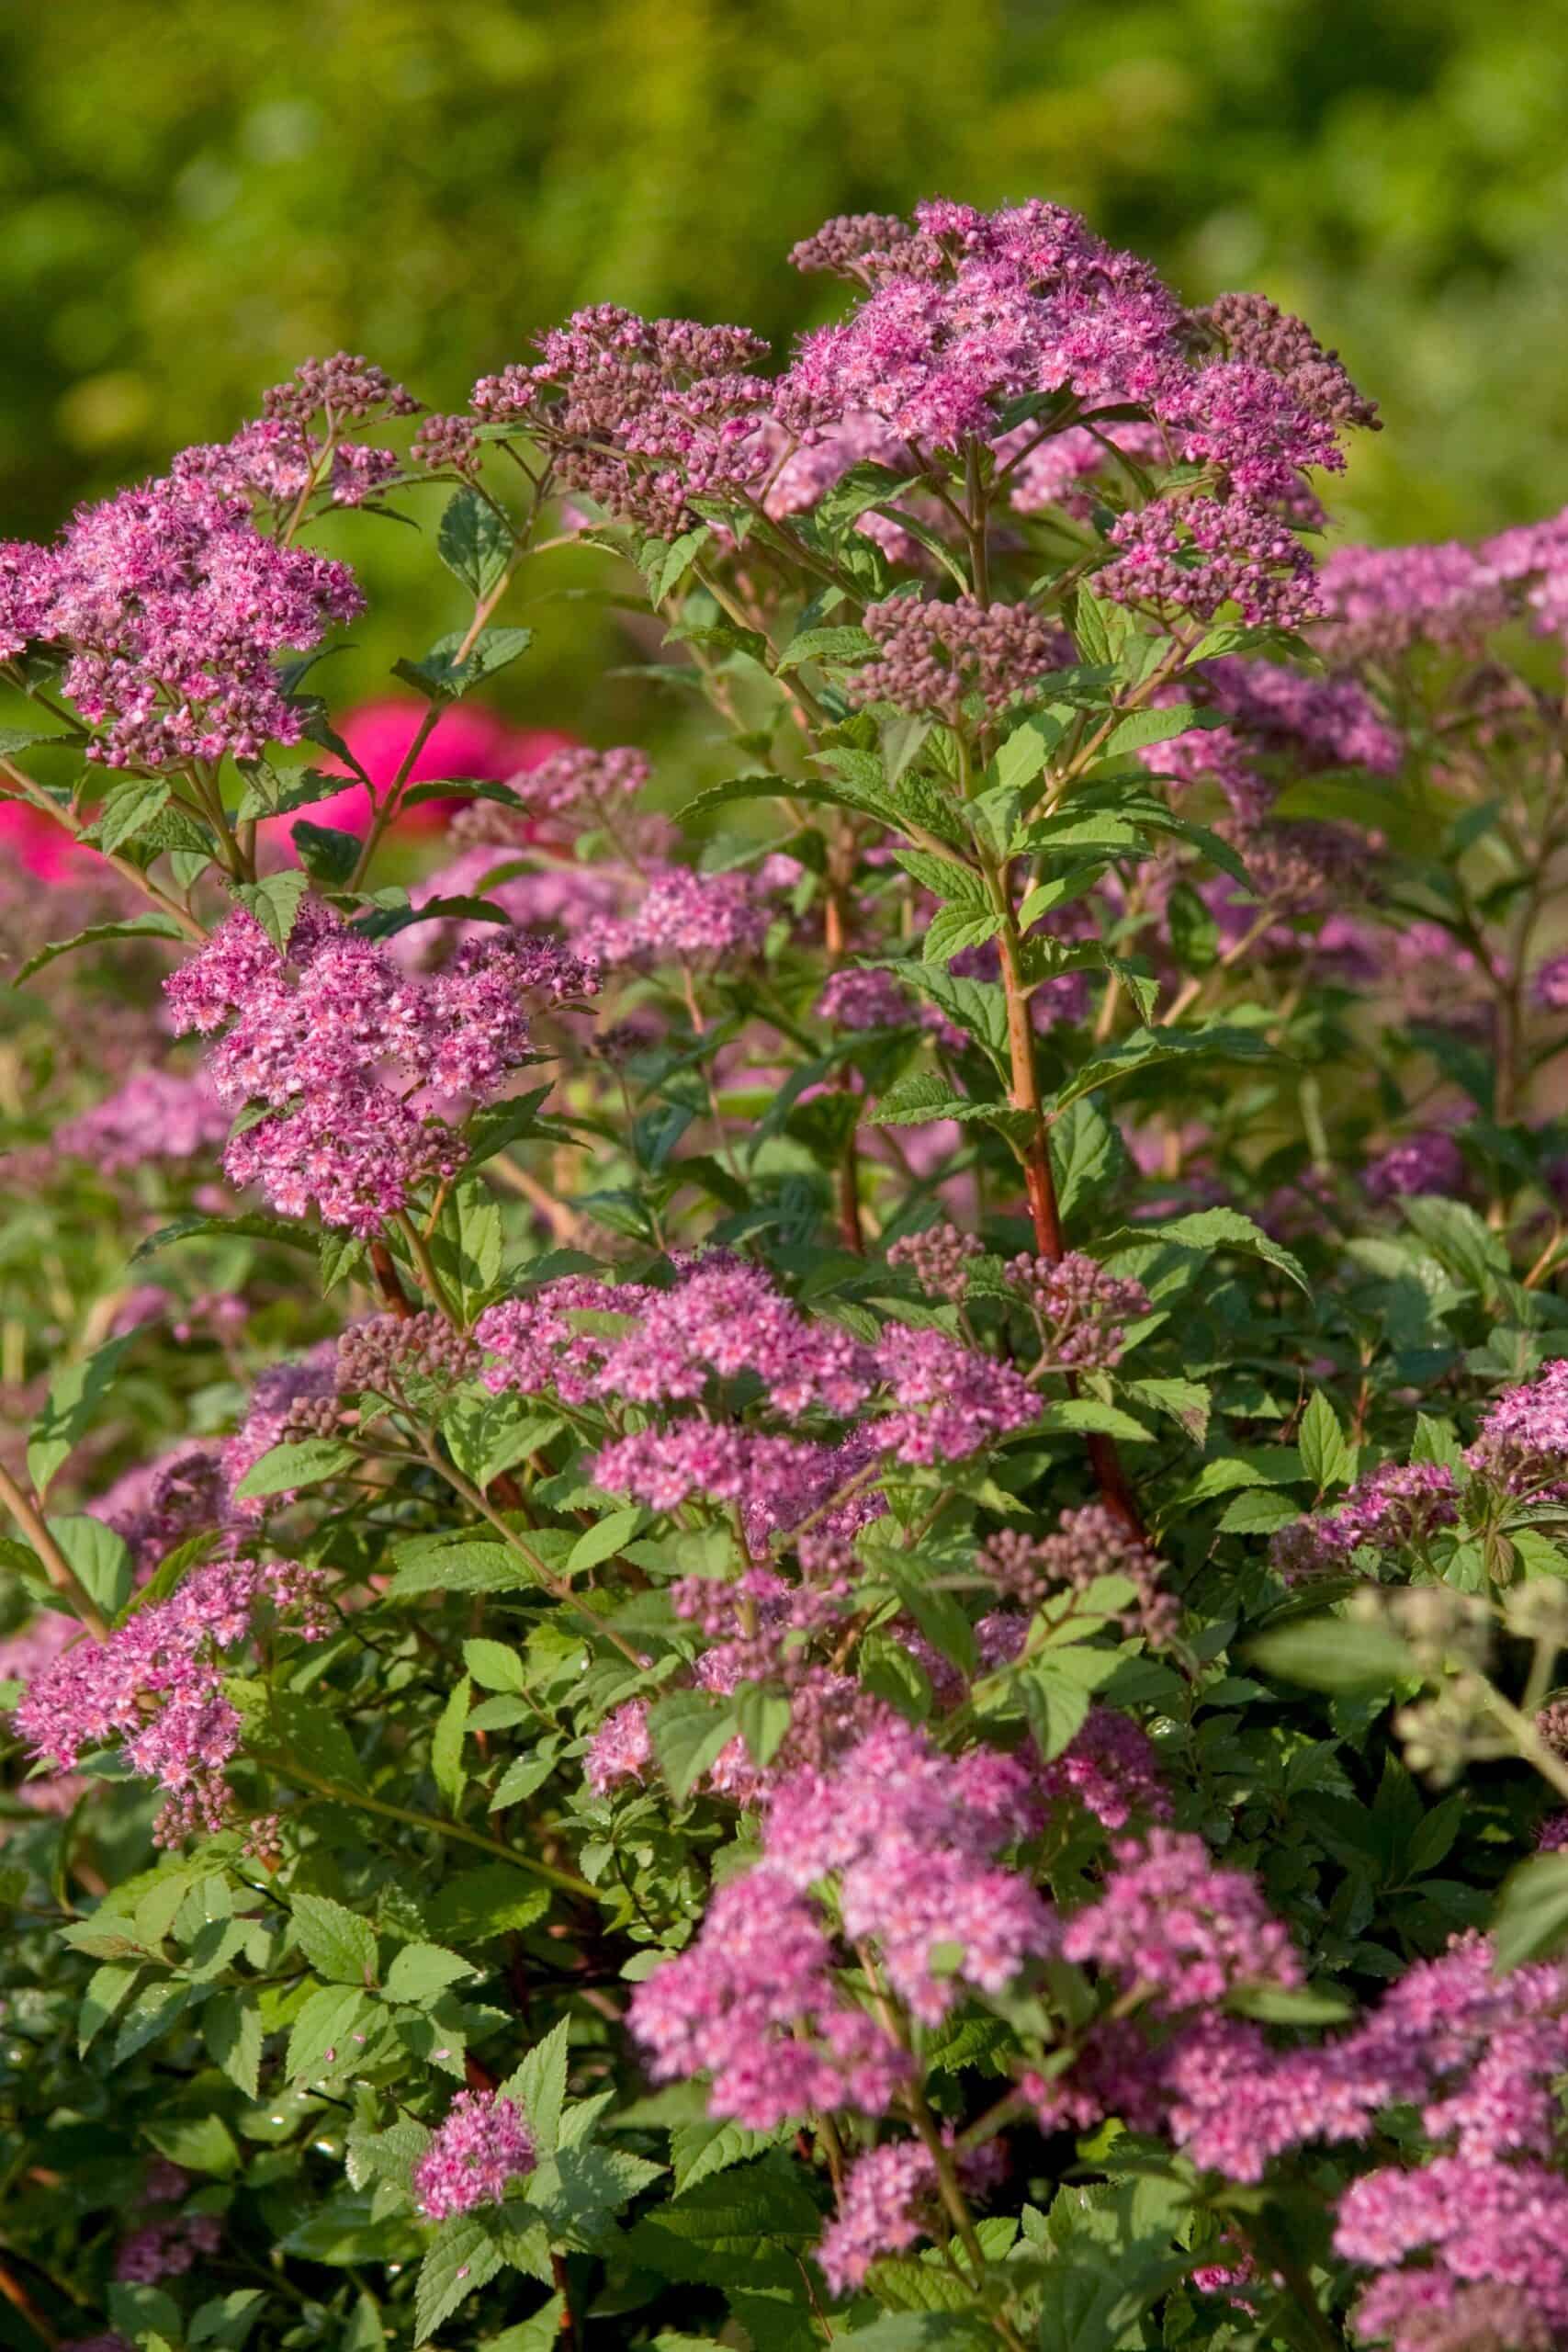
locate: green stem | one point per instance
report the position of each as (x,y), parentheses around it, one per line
(290,1769)
(24,1508)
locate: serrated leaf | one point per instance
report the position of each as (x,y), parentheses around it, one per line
(232,2029)
(1211,1229)
(474,542)
(689,1730)
(491,1901)
(322,2035)
(274,903)
(249,1226)
(99,1557)
(1530,1921)
(538,2086)
(443,678)
(129,810)
(1147,1050)
(492,1665)
(420,1973)
(603,1542)
(1324,1455)
(1325,1654)
(463,1567)
(303,1461)
(337,1943)
(109,1989)
(461,2258)
(328,854)
(446,1746)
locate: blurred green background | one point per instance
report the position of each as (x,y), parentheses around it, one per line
(197,194)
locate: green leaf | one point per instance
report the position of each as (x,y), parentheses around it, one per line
(250,1226)
(127,810)
(155,2011)
(198,2142)
(945,879)
(952,929)
(274,903)
(134,927)
(1149,1048)
(446,1746)
(540,2333)
(1141,728)
(689,1730)
(1325,1457)
(939,2331)
(1055,1704)
(303,1461)
(603,1542)
(461,2258)
(474,542)
(493,1666)
(1211,1229)
(1088,1157)
(328,854)
(978,1007)
(232,2028)
(1530,1921)
(743,2228)
(466,1565)
(321,2037)
(937,1613)
(1085,1416)
(480,1904)
(421,1972)
(109,1989)
(539,2086)
(74,1395)
(336,1941)
(443,678)
(99,1557)
(1326,1654)
(843,645)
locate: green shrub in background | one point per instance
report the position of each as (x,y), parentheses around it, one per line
(194,195)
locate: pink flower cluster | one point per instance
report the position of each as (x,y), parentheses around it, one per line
(334,1040)
(156,1115)
(754,2004)
(480,2148)
(170,606)
(682,917)
(1429,1161)
(156,1683)
(941,1401)
(1176,1931)
(642,416)
(907,1835)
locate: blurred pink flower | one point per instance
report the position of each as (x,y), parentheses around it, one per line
(462,743)
(38,844)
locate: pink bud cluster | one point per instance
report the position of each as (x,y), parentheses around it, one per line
(933,656)
(1079,1309)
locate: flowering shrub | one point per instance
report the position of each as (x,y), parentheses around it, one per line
(794,1574)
